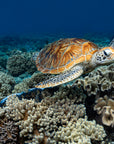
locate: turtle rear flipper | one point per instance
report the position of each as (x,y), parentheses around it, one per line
(62,78)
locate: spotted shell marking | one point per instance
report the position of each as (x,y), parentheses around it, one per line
(63,54)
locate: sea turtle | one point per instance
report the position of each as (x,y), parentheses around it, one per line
(70,58)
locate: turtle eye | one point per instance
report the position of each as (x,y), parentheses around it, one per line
(107,52)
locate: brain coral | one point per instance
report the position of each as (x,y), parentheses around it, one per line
(41,120)
(20,63)
(7,83)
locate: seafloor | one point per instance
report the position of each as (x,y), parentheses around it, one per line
(80,112)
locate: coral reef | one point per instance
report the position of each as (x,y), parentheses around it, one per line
(20,63)
(16,65)
(30,82)
(105,107)
(99,88)
(54,115)
(3,59)
(81,132)
(8,132)
(60,112)
(2,69)
(98,81)
(42,120)
(2,112)
(69,91)
(7,83)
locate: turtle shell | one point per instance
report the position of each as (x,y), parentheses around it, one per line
(63,54)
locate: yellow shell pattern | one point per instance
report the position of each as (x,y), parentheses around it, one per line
(63,54)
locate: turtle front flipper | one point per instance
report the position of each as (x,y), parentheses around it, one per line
(62,78)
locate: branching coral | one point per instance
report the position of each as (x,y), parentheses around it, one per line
(2,111)
(81,132)
(8,132)
(35,119)
(25,112)
(59,113)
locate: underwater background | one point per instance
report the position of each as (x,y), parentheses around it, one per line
(79,112)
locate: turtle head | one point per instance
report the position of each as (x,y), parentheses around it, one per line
(104,56)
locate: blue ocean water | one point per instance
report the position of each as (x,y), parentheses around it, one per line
(48,16)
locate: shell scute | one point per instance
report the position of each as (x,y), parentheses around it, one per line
(63,54)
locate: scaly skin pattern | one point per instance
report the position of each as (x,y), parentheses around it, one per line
(62,78)
(103,56)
